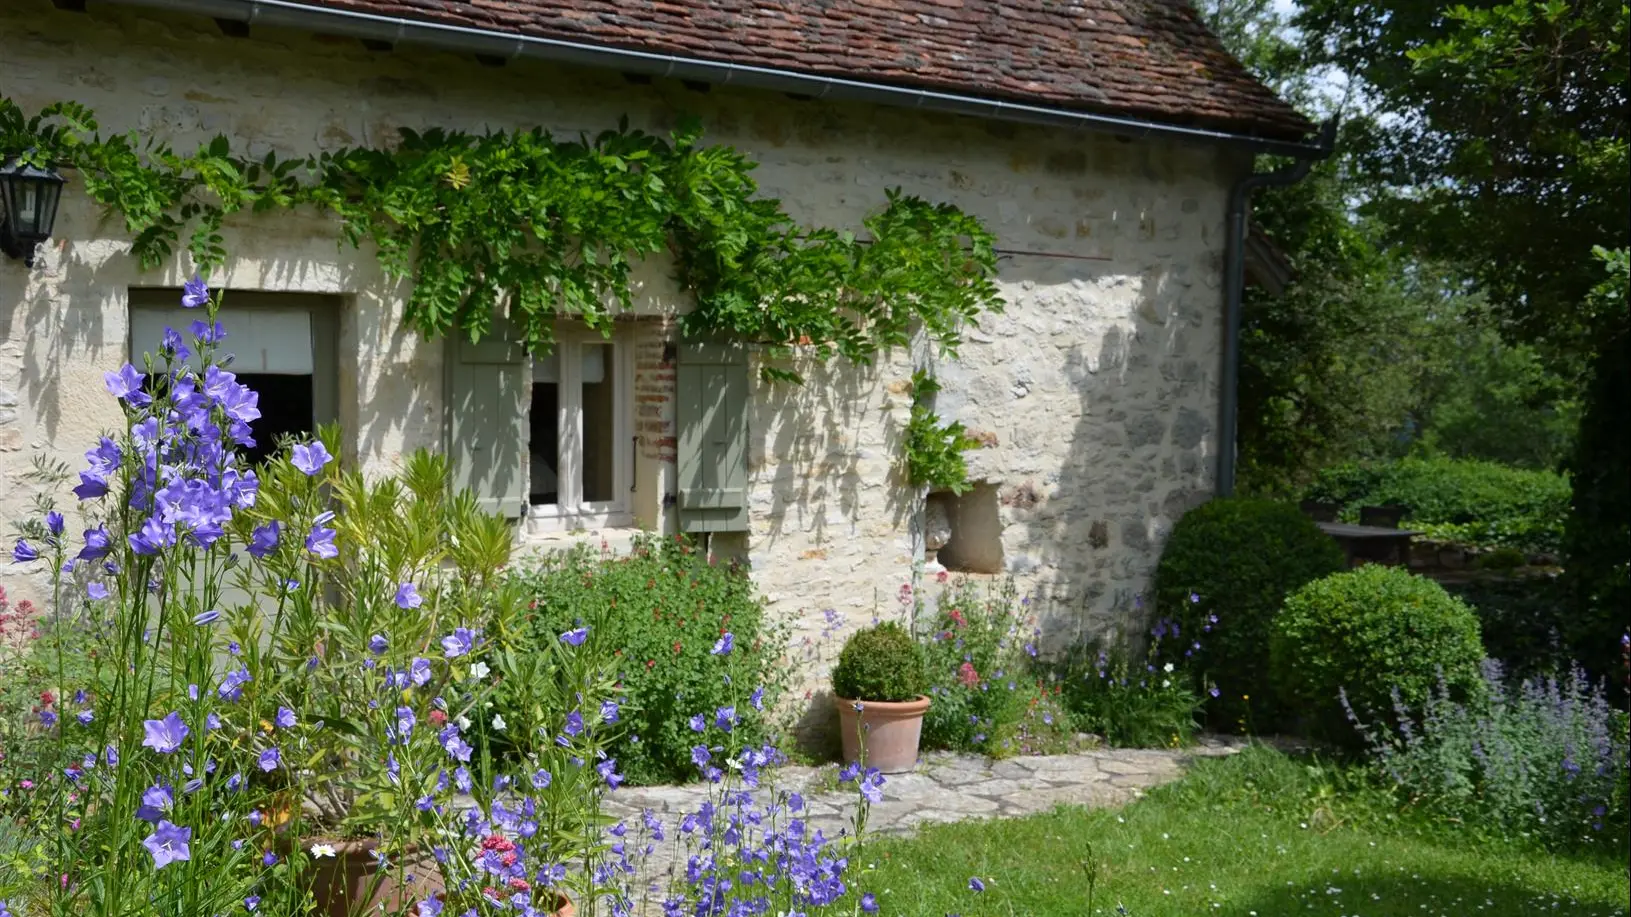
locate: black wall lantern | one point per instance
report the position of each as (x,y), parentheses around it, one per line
(28,197)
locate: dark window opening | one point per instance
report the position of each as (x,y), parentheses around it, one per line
(544,420)
(286,406)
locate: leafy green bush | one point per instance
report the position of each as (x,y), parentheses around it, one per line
(1521,620)
(1377,637)
(1478,503)
(663,610)
(1225,572)
(1142,705)
(881,663)
(988,695)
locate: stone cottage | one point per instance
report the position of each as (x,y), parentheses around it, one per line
(1102,141)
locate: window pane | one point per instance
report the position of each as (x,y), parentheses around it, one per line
(544,418)
(599,449)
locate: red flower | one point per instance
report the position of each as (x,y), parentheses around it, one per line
(438,718)
(967,675)
(47,698)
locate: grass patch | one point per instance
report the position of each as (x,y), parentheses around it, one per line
(1255,834)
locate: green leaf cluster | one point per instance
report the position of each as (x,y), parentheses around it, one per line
(934,450)
(1485,503)
(659,611)
(525,227)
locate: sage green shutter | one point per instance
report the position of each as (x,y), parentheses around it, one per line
(489,395)
(712,392)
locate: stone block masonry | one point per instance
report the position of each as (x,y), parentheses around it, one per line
(1096,391)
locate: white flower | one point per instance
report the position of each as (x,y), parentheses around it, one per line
(498,722)
(1166,682)
(322,850)
(479,671)
(463,721)
(1167,668)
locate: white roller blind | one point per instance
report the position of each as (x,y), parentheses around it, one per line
(261,340)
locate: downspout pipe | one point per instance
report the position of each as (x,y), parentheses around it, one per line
(1234,281)
(393,30)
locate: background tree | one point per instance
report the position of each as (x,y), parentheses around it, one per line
(1500,140)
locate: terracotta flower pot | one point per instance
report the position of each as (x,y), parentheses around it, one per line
(340,883)
(888,730)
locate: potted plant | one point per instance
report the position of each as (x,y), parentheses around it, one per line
(879,682)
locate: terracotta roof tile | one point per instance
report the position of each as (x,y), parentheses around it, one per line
(1147,59)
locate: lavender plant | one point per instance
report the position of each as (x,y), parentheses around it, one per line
(1546,760)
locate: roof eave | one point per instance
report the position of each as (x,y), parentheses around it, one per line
(490,43)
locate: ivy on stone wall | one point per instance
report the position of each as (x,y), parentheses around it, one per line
(525,224)
(934,449)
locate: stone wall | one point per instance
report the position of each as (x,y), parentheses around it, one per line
(1096,391)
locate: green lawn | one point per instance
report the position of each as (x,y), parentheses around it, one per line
(1257,834)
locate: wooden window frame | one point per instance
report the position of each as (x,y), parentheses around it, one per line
(572,511)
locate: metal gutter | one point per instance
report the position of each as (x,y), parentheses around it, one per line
(1234,278)
(504,45)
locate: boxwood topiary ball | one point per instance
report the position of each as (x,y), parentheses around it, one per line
(881,663)
(1238,558)
(1369,632)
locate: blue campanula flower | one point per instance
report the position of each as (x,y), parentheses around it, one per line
(725,718)
(125,384)
(172,346)
(232,685)
(405,721)
(168,844)
(541,779)
(724,645)
(54,523)
(321,539)
(377,644)
(575,637)
(609,711)
(756,700)
(408,597)
(85,717)
(458,643)
(311,457)
(207,617)
(153,537)
(207,333)
(96,591)
(195,293)
(285,718)
(698,722)
(419,671)
(574,724)
(97,544)
(269,759)
(156,803)
(166,735)
(22,552)
(975,884)
(264,539)
(608,772)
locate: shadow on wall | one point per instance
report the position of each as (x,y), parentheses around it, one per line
(808,448)
(1090,484)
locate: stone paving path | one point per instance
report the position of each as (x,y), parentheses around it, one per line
(944,788)
(950,788)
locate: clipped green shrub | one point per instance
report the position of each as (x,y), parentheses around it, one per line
(1226,570)
(1484,504)
(662,611)
(881,663)
(1377,636)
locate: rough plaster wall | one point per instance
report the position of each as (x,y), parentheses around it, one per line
(1098,387)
